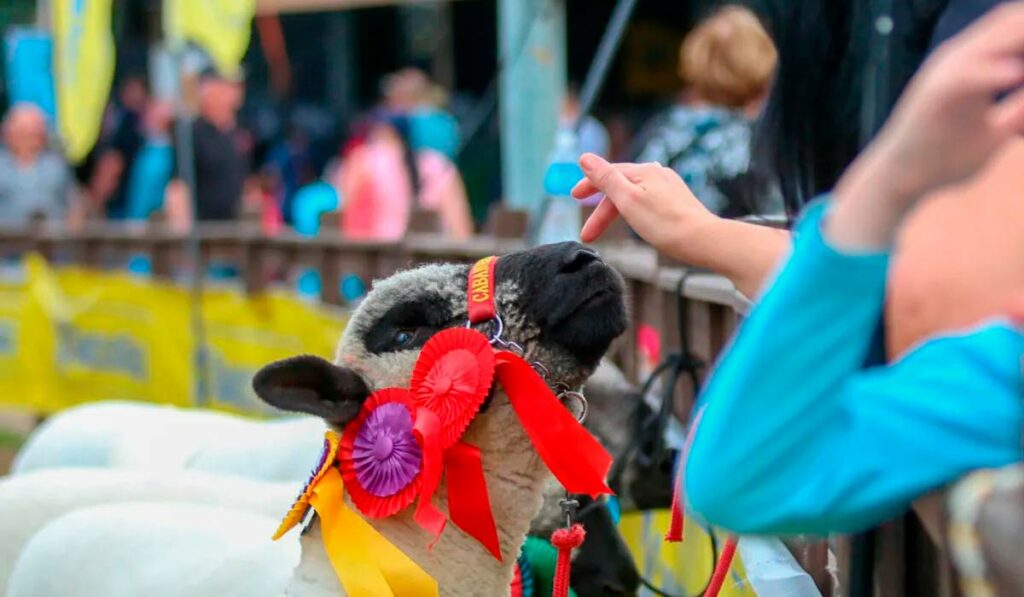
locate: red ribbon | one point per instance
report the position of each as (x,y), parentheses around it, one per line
(468,501)
(481,291)
(428,431)
(574,457)
(722,566)
(677,520)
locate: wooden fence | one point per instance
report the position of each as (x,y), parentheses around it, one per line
(908,555)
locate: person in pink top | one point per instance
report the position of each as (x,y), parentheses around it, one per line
(383,180)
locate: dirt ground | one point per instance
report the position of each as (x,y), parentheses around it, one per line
(14,428)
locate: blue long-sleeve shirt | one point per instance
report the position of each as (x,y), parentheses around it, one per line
(799,434)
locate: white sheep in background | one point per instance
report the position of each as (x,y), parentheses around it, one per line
(29,502)
(152,437)
(560,302)
(202,550)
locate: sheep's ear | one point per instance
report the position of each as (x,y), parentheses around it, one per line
(311,385)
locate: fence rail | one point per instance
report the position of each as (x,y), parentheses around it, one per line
(908,554)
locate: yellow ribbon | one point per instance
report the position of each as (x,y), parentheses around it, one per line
(366,563)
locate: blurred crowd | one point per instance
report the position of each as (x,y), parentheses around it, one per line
(398,158)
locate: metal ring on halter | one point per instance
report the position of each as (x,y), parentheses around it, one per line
(541,369)
(499,329)
(578,396)
(513,347)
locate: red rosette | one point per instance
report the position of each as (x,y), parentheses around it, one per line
(378,455)
(452,378)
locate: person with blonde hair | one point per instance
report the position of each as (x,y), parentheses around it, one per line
(729,60)
(727,63)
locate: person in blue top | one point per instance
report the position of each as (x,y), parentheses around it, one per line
(801,429)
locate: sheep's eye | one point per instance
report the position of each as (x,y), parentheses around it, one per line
(404,337)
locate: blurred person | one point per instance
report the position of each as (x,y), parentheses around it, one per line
(727,63)
(33,179)
(411,92)
(117,147)
(220,153)
(383,180)
(151,171)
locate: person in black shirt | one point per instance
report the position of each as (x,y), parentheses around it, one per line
(105,171)
(221,162)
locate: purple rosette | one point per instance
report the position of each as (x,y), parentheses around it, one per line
(385,453)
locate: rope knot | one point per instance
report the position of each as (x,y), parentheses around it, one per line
(569,538)
(565,540)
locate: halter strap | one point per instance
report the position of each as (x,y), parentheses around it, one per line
(480,296)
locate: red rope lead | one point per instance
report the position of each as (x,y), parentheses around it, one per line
(565,540)
(722,567)
(675,527)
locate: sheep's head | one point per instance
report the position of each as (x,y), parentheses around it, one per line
(561,303)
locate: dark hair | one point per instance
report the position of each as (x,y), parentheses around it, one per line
(815,121)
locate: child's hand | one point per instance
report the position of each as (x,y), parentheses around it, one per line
(653,200)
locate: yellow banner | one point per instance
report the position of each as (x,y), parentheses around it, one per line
(220,27)
(73,335)
(83,68)
(243,333)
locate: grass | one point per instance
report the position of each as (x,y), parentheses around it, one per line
(10,440)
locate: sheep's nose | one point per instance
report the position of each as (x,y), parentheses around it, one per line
(577,258)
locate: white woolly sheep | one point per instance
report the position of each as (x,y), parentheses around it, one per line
(152,437)
(31,501)
(560,302)
(202,550)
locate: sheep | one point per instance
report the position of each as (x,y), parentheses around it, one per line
(134,435)
(30,501)
(561,303)
(202,550)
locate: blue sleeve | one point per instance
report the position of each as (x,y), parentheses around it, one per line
(798,436)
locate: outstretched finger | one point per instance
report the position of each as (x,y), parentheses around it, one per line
(611,179)
(604,214)
(584,189)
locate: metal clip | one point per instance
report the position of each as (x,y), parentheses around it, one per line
(569,507)
(515,349)
(499,329)
(541,369)
(579,397)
